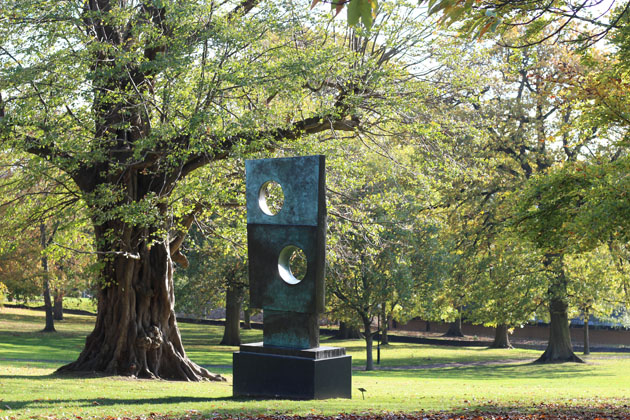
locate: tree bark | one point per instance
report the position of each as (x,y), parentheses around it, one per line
(50,322)
(342,333)
(385,330)
(427,326)
(58,305)
(136,332)
(247,319)
(347,332)
(587,340)
(501,338)
(367,332)
(232,330)
(455,328)
(559,348)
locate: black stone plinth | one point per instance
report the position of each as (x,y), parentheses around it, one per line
(274,372)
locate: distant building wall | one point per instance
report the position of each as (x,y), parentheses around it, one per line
(598,336)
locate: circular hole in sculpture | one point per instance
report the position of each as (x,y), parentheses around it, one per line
(292,264)
(270,198)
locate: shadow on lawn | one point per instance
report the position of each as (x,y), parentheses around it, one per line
(444,357)
(119,402)
(39,345)
(359,346)
(520,371)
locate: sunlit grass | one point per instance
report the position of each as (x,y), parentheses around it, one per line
(73,303)
(28,387)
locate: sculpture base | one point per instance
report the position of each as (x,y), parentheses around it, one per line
(277,372)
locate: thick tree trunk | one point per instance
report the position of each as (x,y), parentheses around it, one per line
(427,326)
(353,333)
(342,334)
(367,332)
(587,340)
(559,348)
(50,322)
(455,329)
(501,338)
(136,332)
(347,332)
(58,305)
(232,330)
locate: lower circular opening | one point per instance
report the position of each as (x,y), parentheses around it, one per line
(292,264)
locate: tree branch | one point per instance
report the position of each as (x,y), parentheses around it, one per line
(175,245)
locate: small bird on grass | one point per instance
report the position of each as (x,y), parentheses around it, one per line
(363,390)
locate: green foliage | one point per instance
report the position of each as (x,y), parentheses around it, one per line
(596,286)
(373,204)
(509,283)
(216,246)
(575,206)
(542,22)
(214,267)
(475,18)
(192,92)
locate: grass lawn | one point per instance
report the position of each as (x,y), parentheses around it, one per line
(75,303)
(29,390)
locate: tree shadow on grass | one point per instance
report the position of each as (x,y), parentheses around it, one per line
(515,371)
(118,402)
(358,346)
(38,345)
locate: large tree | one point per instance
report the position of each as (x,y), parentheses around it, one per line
(130,98)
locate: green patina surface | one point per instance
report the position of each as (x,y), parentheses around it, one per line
(268,290)
(301,179)
(296,330)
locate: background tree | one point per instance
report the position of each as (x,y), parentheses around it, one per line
(373,204)
(528,116)
(508,286)
(595,286)
(39,215)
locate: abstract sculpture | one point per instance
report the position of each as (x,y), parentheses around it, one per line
(289,362)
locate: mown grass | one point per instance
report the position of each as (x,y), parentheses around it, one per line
(73,303)
(28,387)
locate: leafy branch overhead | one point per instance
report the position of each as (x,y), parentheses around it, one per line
(357,10)
(476,18)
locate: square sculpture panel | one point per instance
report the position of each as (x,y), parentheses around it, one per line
(271,281)
(302,181)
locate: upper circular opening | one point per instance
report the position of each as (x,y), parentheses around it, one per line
(270,198)
(292,264)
